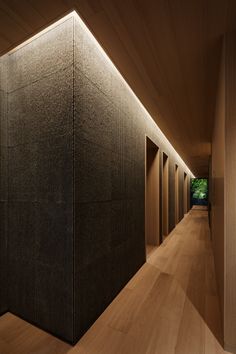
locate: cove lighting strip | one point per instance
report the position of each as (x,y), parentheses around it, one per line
(106,58)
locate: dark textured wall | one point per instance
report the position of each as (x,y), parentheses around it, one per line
(40,217)
(3,188)
(110,132)
(76,180)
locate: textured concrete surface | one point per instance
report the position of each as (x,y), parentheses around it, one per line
(40,180)
(50,52)
(30,109)
(3,189)
(3,258)
(72,181)
(110,128)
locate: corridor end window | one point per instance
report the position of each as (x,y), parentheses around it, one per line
(199,191)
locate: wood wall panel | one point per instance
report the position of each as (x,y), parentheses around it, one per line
(230,191)
(152,202)
(165,195)
(217,182)
(176,194)
(186,191)
(223,191)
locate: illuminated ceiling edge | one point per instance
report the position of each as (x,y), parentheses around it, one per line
(84,26)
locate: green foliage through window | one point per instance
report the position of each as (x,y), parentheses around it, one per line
(199,188)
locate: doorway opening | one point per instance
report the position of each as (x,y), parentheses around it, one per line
(165,196)
(185,193)
(176,194)
(152,199)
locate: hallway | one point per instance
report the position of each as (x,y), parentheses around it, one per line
(169,306)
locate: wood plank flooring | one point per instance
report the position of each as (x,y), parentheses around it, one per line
(169,307)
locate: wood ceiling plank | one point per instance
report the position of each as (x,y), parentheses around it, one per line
(23,14)
(4,43)
(12,31)
(49,10)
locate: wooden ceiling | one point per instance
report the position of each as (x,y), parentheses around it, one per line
(167,50)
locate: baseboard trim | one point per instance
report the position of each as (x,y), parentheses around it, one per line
(230,349)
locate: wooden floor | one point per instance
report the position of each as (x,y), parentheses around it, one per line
(170,306)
